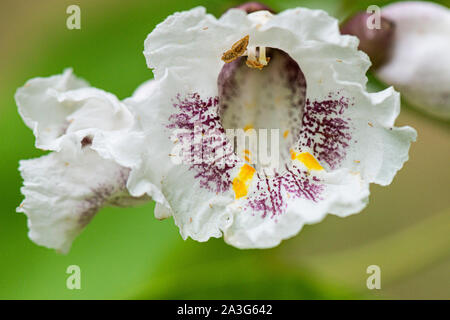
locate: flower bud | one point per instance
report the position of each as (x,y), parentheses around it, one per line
(376,42)
(253,6)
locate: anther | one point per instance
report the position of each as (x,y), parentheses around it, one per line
(240,48)
(237,50)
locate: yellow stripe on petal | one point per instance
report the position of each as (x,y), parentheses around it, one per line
(248,127)
(307,159)
(242,181)
(247,154)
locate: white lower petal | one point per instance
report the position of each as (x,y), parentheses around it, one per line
(63,192)
(339,193)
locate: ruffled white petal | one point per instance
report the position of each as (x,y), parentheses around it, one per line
(64,190)
(63,108)
(420,63)
(162,212)
(377,149)
(41,110)
(341,194)
(145,90)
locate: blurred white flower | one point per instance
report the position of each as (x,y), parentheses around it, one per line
(65,189)
(419,66)
(410,51)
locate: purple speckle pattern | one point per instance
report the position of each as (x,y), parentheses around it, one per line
(325,130)
(268,199)
(272,193)
(204,144)
(102,194)
(299,184)
(327,133)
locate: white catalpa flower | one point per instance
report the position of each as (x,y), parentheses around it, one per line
(293,72)
(64,189)
(419,66)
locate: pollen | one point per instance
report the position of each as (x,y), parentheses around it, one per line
(237,50)
(307,159)
(248,127)
(254,64)
(285,134)
(242,181)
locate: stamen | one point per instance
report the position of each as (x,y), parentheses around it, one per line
(262,56)
(251,53)
(259,63)
(237,50)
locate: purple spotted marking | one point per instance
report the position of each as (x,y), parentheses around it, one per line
(299,184)
(193,109)
(211,155)
(104,193)
(325,130)
(268,197)
(272,194)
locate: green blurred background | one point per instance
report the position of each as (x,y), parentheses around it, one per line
(127,253)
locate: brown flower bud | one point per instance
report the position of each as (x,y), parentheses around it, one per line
(377,42)
(250,7)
